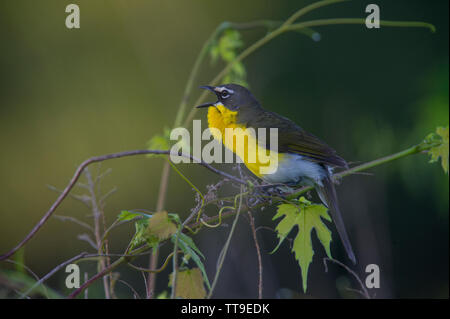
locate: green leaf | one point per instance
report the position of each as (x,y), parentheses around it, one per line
(227,49)
(140,236)
(153,229)
(306,217)
(229,43)
(442,150)
(189,284)
(127,215)
(189,248)
(160,142)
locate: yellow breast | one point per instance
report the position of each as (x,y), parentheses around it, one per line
(221,118)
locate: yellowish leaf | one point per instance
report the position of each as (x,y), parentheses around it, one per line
(160,226)
(189,284)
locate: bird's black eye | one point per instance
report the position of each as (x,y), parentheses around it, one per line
(224,94)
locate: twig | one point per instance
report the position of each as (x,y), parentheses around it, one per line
(98,217)
(413,150)
(84,199)
(153,259)
(158,270)
(57,268)
(131,288)
(31,272)
(114,265)
(106,195)
(364,291)
(96,159)
(288,26)
(258,252)
(85,237)
(180,113)
(225,248)
(383,160)
(86,292)
(74,220)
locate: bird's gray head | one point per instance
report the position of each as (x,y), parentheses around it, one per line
(233,96)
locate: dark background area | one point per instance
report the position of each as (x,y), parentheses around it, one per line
(67,95)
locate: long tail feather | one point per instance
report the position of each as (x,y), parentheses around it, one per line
(327,194)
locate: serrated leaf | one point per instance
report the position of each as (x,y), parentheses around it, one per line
(161,226)
(442,150)
(306,217)
(189,284)
(189,248)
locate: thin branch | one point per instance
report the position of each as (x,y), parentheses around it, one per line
(286,27)
(203,53)
(258,252)
(308,9)
(85,237)
(106,195)
(107,270)
(57,268)
(158,270)
(102,158)
(74,220)
(227,245)
(84,199)
(130,287)
(383,160)
(324,22)
(86,292)
(351,171)
(153,259)
(98,217)
(413,150)
(364,291)
(31,272)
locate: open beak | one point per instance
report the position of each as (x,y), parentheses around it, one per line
(205,105)
(211,88)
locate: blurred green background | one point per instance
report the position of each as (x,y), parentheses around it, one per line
(67,95)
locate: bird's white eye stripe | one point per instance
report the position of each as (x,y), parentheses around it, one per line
(221,88)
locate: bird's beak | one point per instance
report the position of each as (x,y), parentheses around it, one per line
(207,87)
(205,105)
(211,88)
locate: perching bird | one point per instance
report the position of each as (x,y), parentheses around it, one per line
(302,159)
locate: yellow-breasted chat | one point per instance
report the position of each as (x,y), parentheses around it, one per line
(302,158)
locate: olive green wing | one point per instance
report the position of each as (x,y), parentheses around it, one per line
(293,139)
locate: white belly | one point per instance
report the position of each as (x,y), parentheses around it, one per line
(294,169)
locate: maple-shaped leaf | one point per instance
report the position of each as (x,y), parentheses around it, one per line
(161,226)
(306,216)
(189,284)
(440,151)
